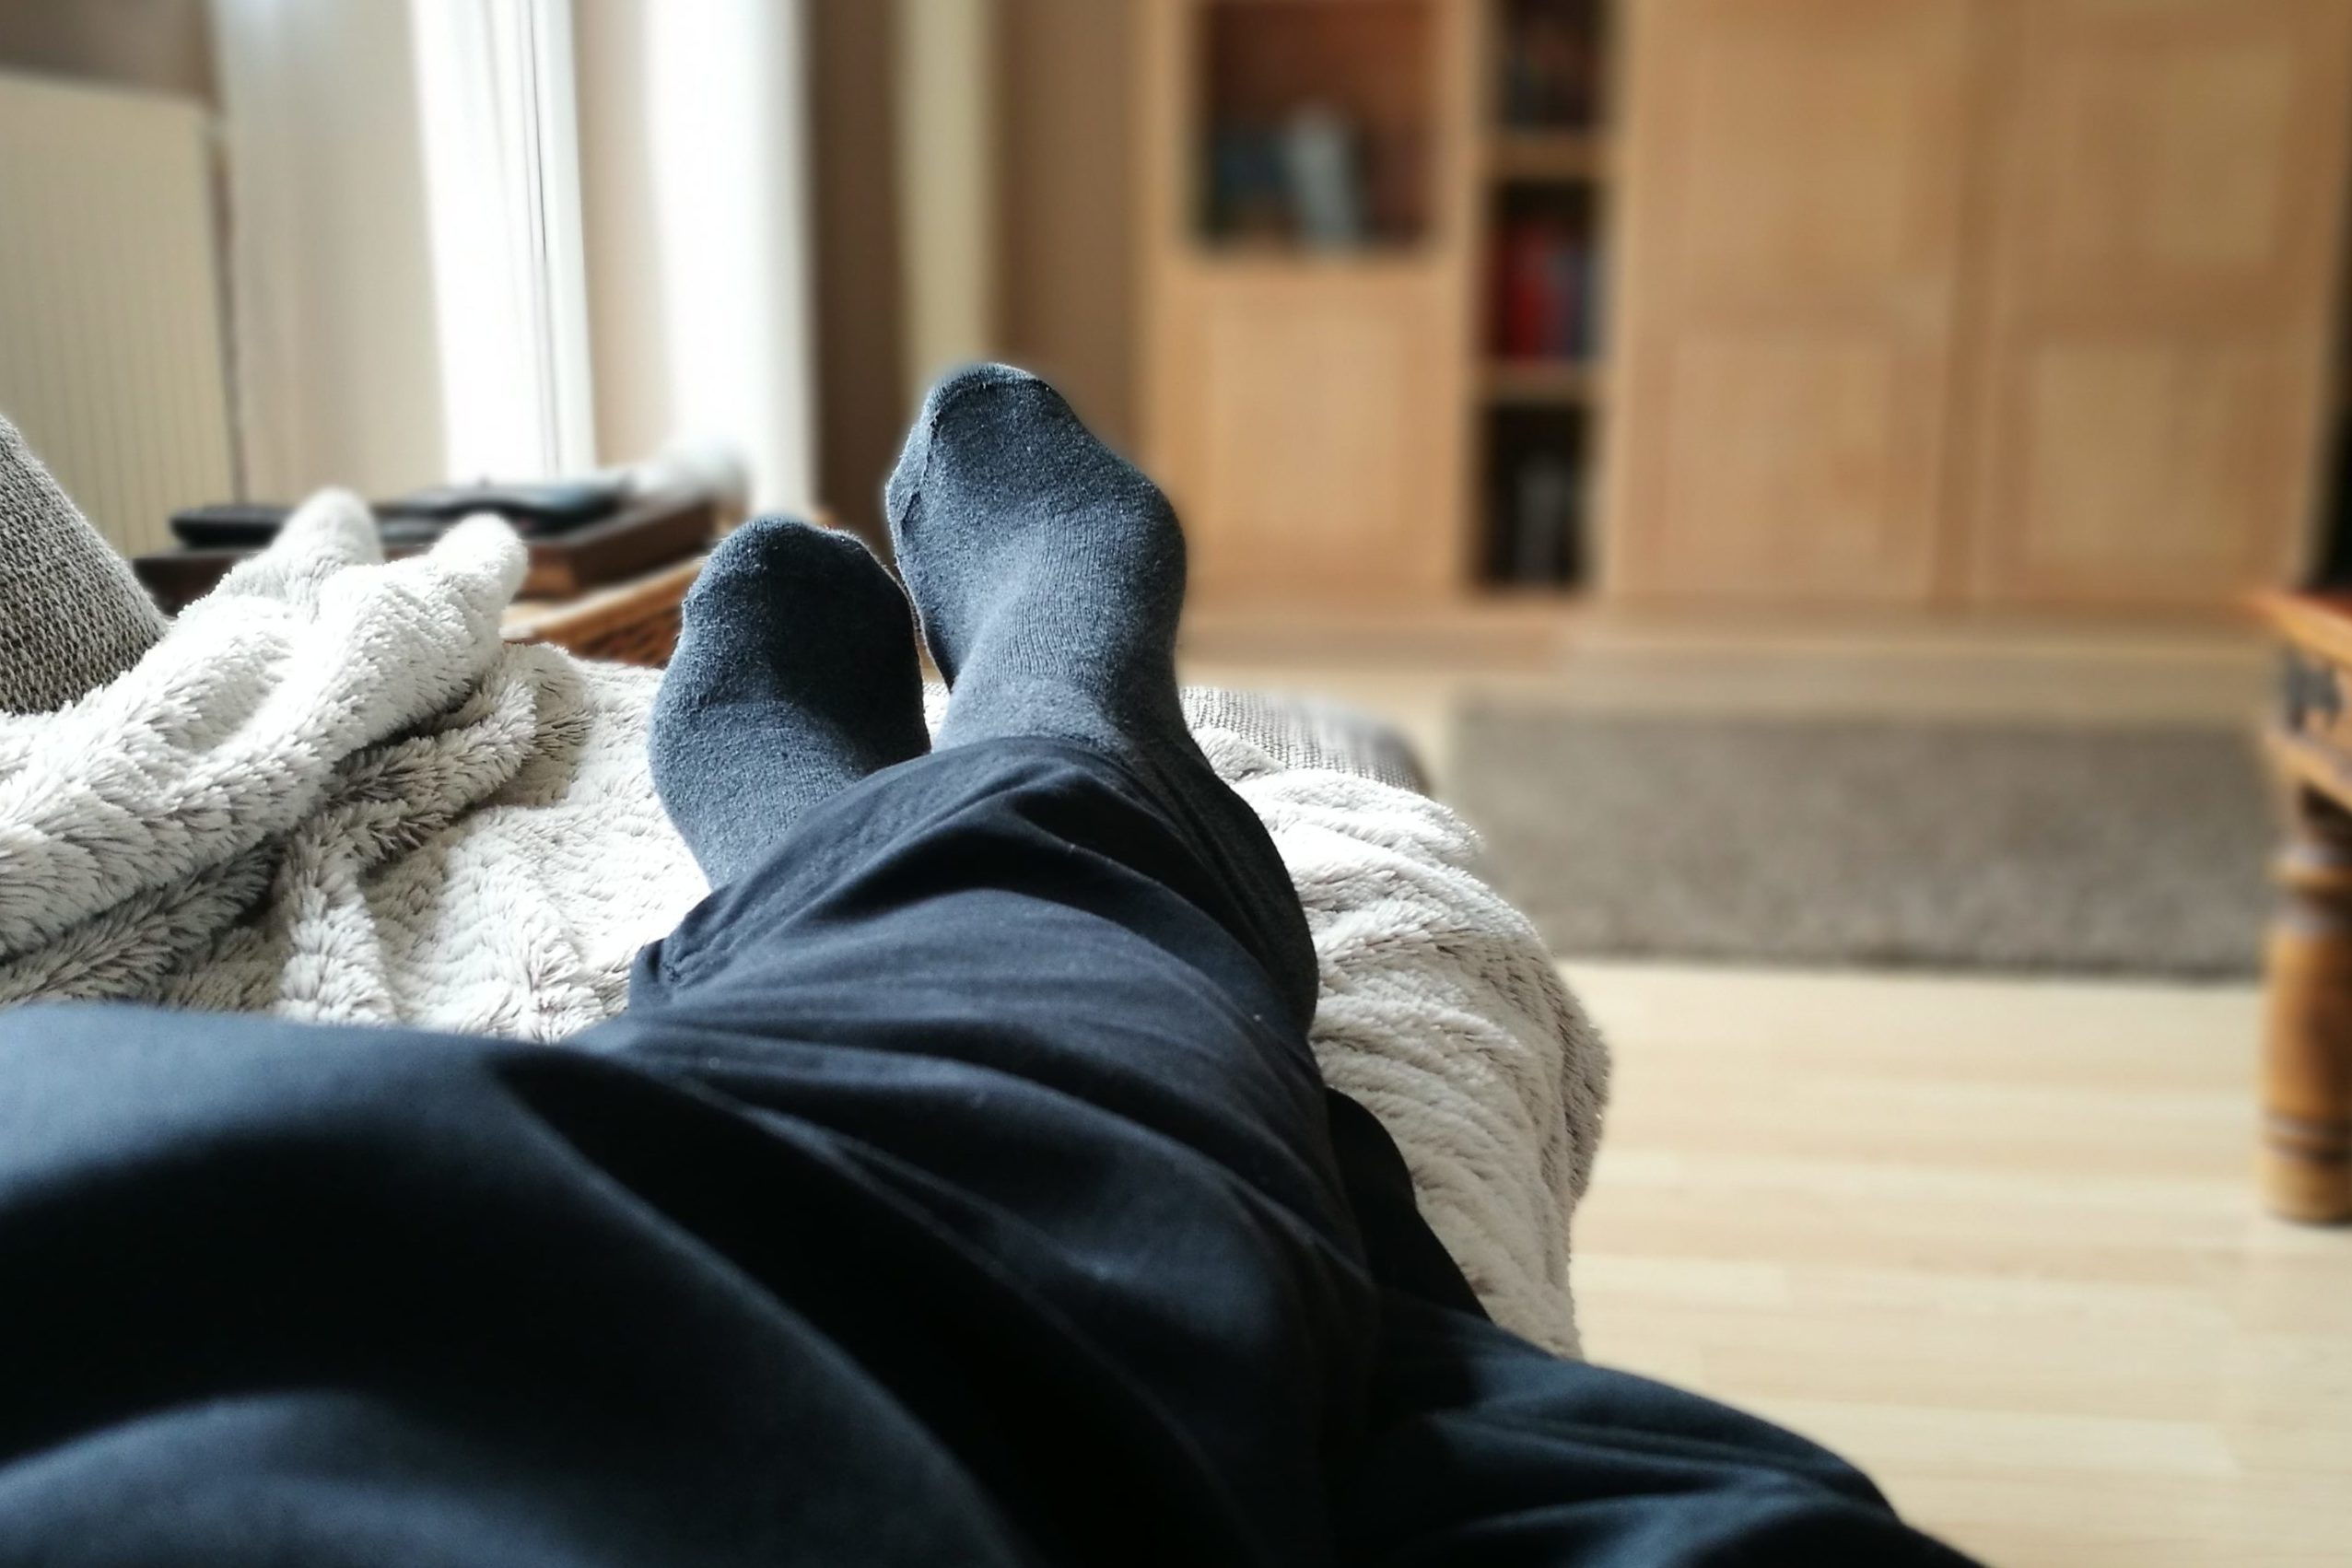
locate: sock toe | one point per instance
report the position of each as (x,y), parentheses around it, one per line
(1025,537)
(795,676)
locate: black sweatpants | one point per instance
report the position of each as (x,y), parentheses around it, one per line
(958,1188)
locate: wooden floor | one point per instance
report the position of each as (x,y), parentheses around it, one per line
(1994,1239)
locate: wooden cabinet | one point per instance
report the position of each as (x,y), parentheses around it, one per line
(1907,302)
(1999,301)
(1791,261)
(2159,273)
(1306,427)
(1306,407)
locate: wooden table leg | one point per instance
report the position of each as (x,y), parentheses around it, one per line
(2307,1051)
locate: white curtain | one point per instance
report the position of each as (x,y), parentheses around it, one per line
(494,101)
(695,183)
(506,238)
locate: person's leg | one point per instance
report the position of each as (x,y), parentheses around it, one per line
(1052,980)
(962,1190)
(1483,1452)
(1480,1450)
(1048,574)
(276,1295)
(1059,979)
(959,1181)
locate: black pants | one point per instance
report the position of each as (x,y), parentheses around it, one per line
(957,1189)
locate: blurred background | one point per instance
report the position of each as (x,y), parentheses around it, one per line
(1799,472)
(1471,308)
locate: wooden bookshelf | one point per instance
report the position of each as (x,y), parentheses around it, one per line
(1306,374)
(1824,344)
(1331,417)
(1542,126)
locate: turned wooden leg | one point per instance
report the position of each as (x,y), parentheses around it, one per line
(2307,1049)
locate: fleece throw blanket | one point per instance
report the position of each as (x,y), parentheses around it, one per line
(332,792)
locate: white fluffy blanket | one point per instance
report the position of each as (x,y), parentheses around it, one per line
(332,793)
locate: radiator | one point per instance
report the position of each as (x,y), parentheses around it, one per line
(112,358)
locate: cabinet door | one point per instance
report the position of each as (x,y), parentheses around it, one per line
(2160,272)
(1308,423)
(1306,411)
(1795,173)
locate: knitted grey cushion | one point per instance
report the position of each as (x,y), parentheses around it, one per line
(72,616)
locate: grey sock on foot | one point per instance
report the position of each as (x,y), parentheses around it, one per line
(1048,573)
(1050,577)
(795,676)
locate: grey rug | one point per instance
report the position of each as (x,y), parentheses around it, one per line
(1957,846)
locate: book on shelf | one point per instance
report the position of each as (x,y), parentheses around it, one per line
(1546,502)
(1327,191)
(1315,178)
(1547,291)
(1552,66)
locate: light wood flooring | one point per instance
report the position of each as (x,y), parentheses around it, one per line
(1994,1239)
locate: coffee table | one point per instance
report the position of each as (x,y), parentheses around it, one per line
(2306,1159)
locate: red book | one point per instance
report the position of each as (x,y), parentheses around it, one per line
(1534,313)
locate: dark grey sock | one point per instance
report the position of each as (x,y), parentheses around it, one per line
(795,676)
(1048,573)
(1050,577)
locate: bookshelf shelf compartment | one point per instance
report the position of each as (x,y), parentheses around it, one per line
(1548,160)
(1555,157)
(1538,497)
(1544,382)
(1551,66)
(1406,404)
(1315,122)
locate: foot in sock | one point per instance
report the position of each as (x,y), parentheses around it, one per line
(1050,577)
(795,676)
(1047,572)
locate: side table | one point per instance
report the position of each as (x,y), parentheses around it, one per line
(632,622)
(2306,1158)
